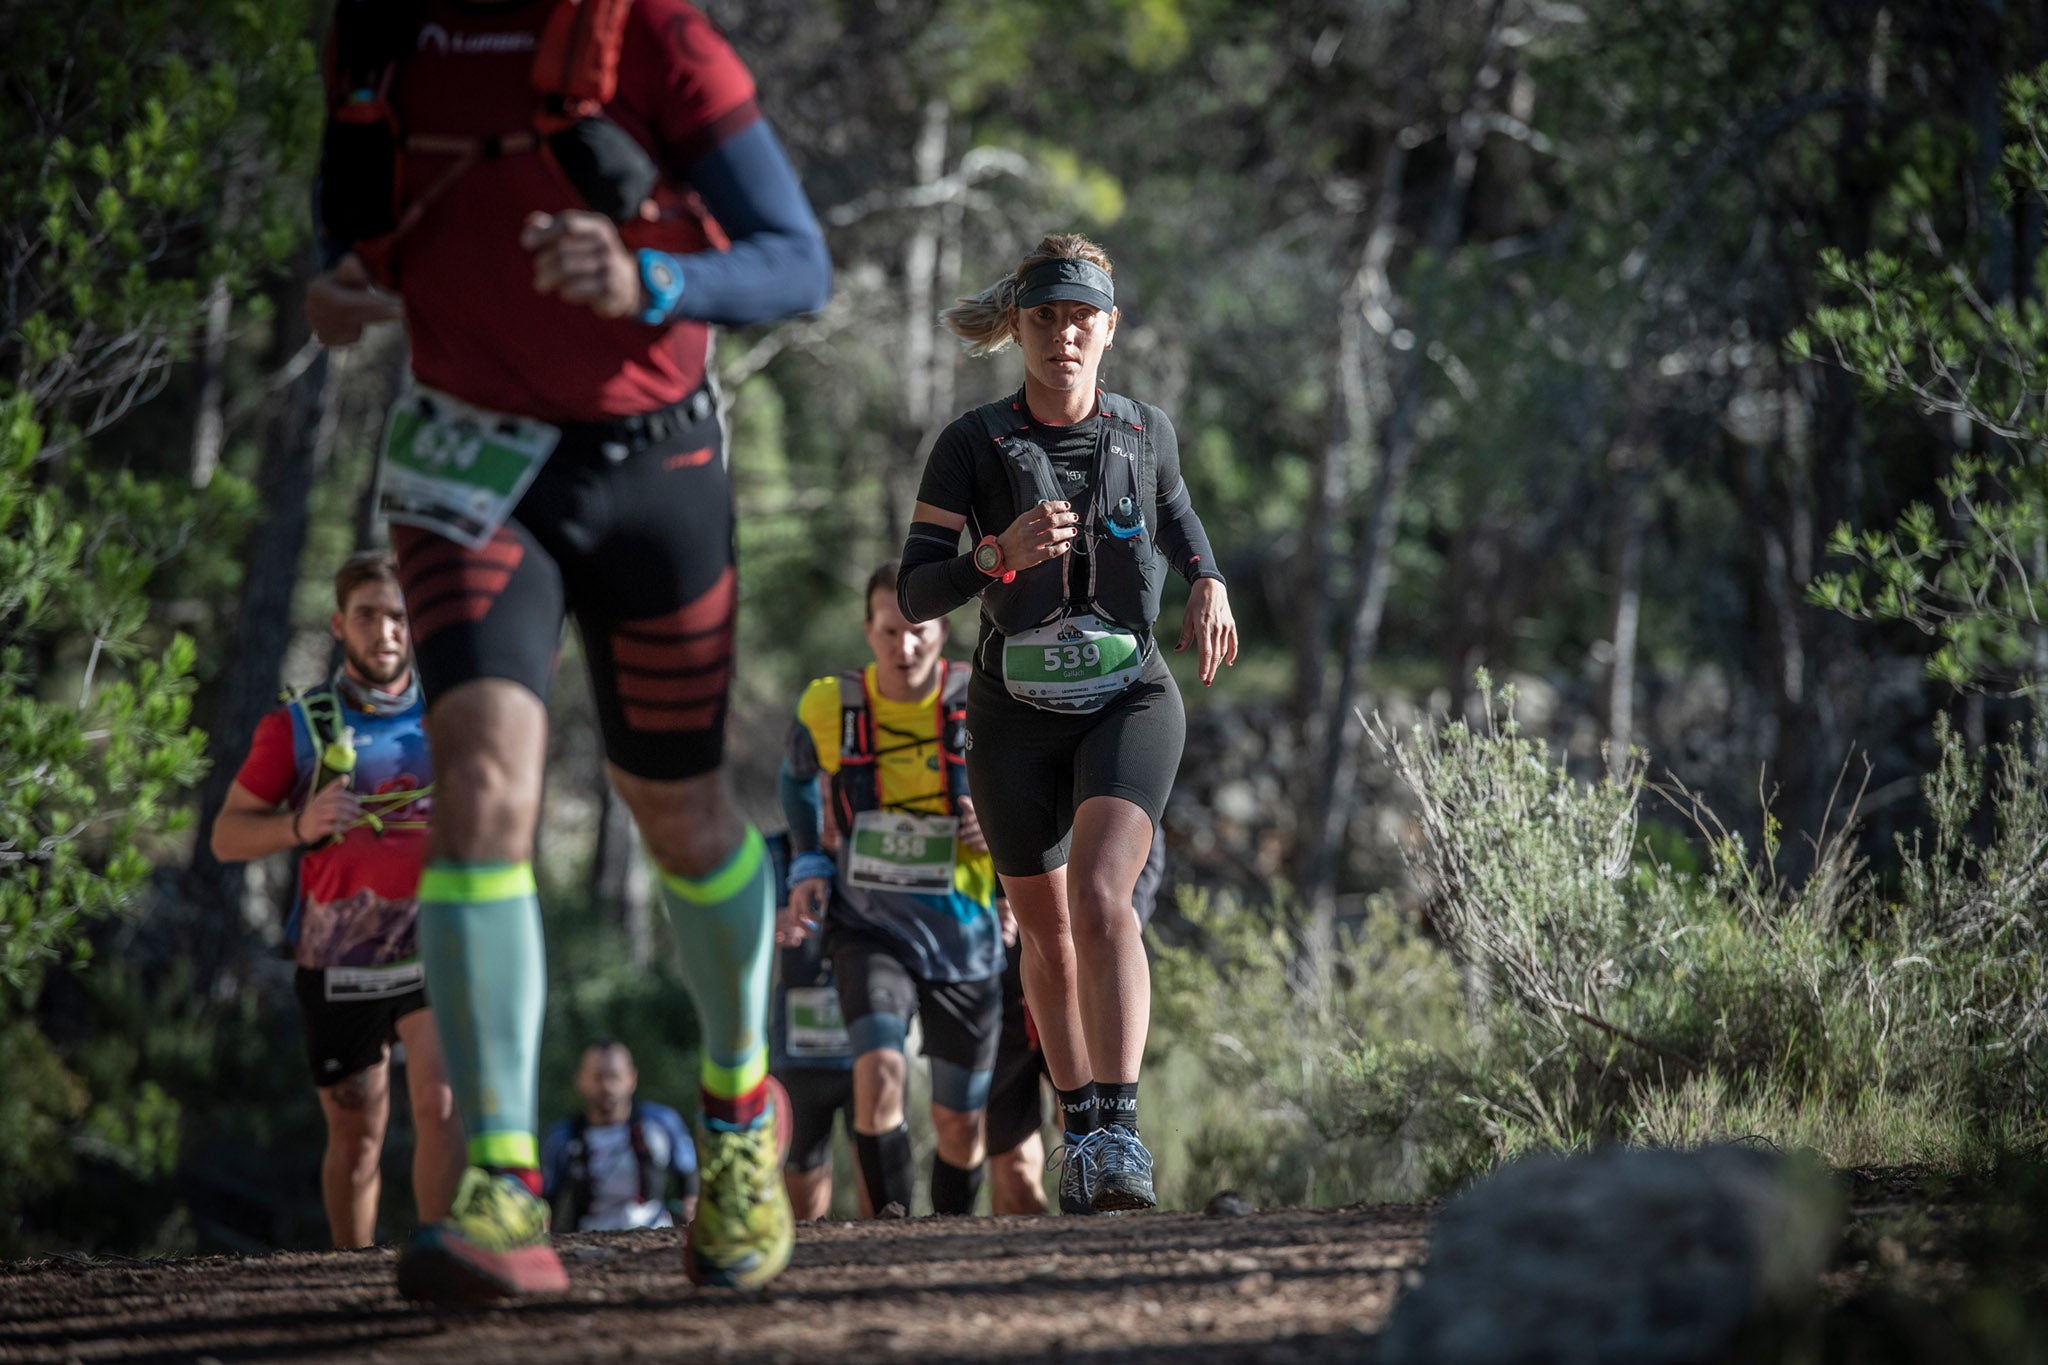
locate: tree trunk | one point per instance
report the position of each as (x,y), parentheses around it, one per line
(1365,606)
(1625,573)
(1350,415)
(210,429)
(623,886)
(922,358)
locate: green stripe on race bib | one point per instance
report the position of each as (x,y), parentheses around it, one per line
(1075,665)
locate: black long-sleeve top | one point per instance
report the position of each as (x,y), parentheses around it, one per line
(965,476)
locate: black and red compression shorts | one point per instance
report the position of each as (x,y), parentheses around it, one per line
(629,527)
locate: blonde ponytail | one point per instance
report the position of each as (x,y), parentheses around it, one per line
(983,321)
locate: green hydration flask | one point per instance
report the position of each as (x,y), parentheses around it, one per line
(337,759)
(337,764)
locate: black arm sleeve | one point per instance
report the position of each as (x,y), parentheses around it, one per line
(934,576)
(1180,531)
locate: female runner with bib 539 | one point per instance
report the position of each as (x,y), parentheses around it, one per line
(1075,502)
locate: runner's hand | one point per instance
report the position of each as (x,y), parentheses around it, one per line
(970,826)
(807,901)
(332,810)
(578,257)
(791,929)
(1209,624)
(1044,532)
(342,301)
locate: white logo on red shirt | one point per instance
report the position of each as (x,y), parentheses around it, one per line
(435,38)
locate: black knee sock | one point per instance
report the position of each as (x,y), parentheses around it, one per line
(885,1166)
(1118,1102)
(1079,1113)
(954,1187)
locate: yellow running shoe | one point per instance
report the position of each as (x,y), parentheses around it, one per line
(492,1245)
(744,1230)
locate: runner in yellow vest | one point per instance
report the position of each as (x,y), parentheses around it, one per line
(907,904)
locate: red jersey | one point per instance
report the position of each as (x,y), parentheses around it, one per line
(356,905)
(478,328)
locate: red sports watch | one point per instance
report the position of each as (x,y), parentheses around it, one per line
(988,557)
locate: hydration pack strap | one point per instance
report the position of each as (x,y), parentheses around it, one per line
(576,68)
(858,786)
(855,787)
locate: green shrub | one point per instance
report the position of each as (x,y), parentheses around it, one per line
(1247,1083)
(1616,996)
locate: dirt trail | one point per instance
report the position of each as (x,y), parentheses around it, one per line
(1288,1285)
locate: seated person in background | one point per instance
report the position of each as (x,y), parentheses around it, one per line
(608,1167)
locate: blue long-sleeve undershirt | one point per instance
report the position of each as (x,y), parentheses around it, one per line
(802,807)
(778,265)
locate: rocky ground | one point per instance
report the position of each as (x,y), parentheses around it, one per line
(1922,1271)
(1290,1285)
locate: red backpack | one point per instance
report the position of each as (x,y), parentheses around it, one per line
(575,74)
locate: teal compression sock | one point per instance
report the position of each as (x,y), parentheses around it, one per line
(725,926)
(480,941)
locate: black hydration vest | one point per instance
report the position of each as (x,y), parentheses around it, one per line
(1124,573)
(857,786)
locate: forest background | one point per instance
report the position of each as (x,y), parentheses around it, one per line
(1635,407)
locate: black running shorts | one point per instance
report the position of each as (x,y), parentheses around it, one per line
(1030,770)
(633,539)
(961,1019)
(816,1094)
(1016,1097)
(344,1037)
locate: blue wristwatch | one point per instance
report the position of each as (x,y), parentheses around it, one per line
(662,276)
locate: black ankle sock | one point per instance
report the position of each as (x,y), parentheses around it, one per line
(885,1167)
(1079,1112)
(1118,1102)
(954,1187)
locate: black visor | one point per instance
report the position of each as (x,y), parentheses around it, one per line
(1066,278)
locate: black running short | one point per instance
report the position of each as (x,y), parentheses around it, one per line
(344,1037)
(962,1019)
(816,1094)
(628,527)
(1030,770)
(1016,1095)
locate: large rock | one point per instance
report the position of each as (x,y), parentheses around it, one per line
(1629,1256)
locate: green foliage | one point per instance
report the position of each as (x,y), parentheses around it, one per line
(154,155)
(153,179)
(1972,572)
(123,1086)
(40,1100)
(1580,985)
(1251,1083)
(1619,997)
(94,775)
(166,141)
